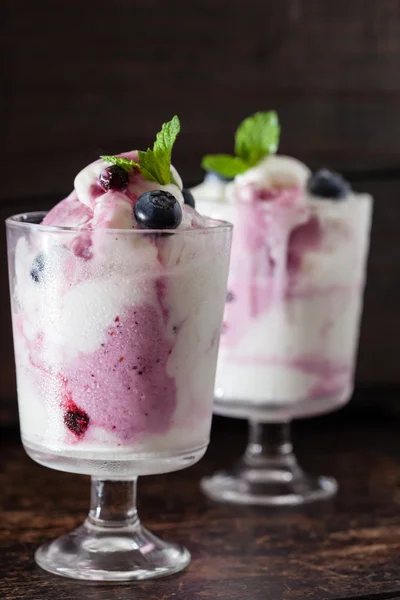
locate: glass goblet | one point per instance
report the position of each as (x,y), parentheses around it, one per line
(290,334)
(116,335)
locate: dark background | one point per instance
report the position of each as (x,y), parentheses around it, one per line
(79,78)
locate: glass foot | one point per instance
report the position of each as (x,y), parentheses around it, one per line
(268,474)
(267,487)
(97,553)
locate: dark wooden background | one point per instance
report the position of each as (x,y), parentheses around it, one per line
(81,78)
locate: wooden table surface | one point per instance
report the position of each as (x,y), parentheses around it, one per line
(345,549)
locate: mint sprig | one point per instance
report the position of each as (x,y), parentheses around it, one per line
(155,163)
(255,138)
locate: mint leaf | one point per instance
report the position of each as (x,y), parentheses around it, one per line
(224,164)
(154,164)
(145,161)
(153,168)
(164,142)
(124,163)
(257,137)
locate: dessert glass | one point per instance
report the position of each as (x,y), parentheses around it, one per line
(116,335)
(290,334)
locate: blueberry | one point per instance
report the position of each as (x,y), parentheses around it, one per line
(188,197)
(158,210)
(328,184)
(37,268)
(114,178)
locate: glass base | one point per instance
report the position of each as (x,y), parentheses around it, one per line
(268,474)
(129,553)
(115,465)
(267,489)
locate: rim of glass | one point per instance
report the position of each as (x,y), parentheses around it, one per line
(20,221)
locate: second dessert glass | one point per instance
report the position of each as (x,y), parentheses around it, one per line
(290,332)
(116,335)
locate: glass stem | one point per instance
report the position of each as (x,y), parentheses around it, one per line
(270,446)
(113,503)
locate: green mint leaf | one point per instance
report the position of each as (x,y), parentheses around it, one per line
(124,163)
(224,164)
(257,137)
(156,163)
(154,168)
(148,165)
(165,140)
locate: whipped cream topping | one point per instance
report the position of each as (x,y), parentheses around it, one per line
(89,206)
(212,189)
(274,172)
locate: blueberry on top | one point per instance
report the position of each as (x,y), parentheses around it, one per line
(113,178)
(37,268)
(158,209)
(328,184)
(188,197)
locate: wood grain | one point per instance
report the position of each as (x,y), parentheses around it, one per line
(345,549)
